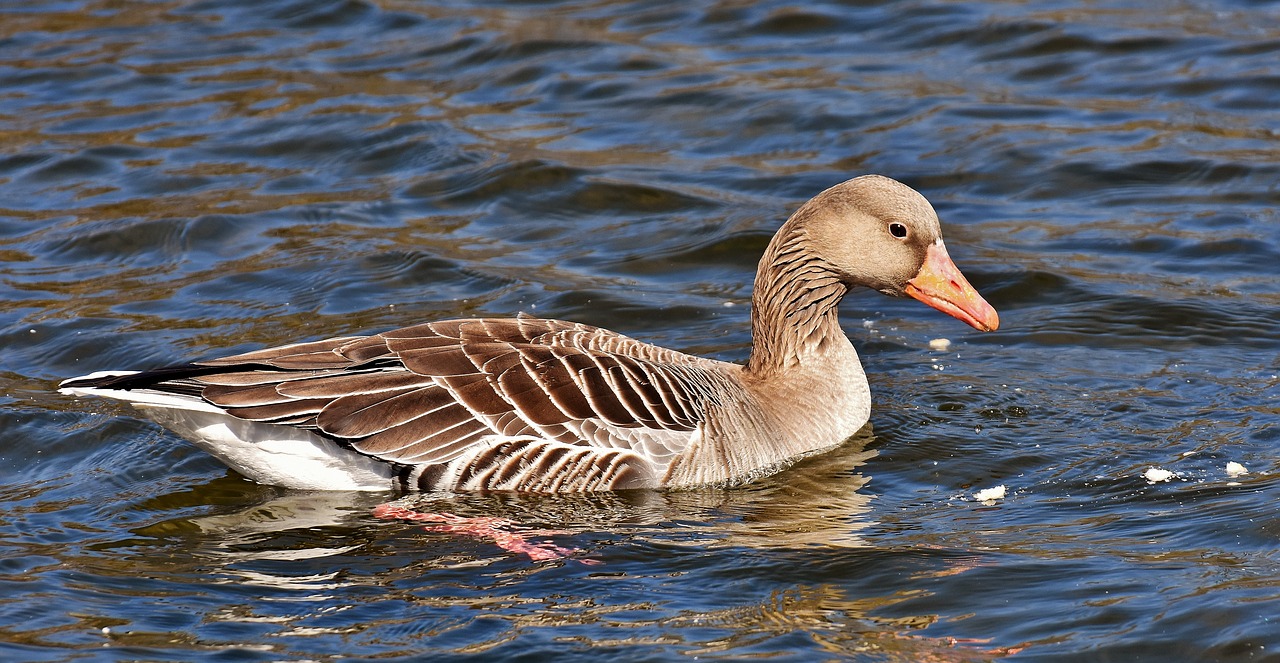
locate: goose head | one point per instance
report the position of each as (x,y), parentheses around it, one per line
(876,232)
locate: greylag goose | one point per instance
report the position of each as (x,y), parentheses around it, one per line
(528,404)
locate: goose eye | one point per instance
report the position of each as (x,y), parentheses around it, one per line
(897,230)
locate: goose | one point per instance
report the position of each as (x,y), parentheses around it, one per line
(537,405)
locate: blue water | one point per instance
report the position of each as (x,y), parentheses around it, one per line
(187,179)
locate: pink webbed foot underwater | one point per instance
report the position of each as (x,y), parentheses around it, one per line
(506,534)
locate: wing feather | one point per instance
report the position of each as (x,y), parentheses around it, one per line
(258,377)
(639,395)
(528,396)
(246,396)
(568,397)
(344,383)
(420,441)
(363,414)
(292,412)
(296,355)
(477,394)
(602,397)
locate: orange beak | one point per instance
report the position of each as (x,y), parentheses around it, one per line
(941,285)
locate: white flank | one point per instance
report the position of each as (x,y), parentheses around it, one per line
(266,453)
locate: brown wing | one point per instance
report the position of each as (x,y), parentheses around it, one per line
(428,393)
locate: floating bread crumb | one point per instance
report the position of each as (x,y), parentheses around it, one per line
(990,494)
(939,344)
(1157,474)
(1235,469)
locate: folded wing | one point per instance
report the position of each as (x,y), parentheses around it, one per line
(432,393)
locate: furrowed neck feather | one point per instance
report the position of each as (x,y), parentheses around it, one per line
(794,304)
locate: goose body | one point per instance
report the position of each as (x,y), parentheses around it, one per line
(529,404)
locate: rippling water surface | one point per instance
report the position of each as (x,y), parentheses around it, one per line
(185,179)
